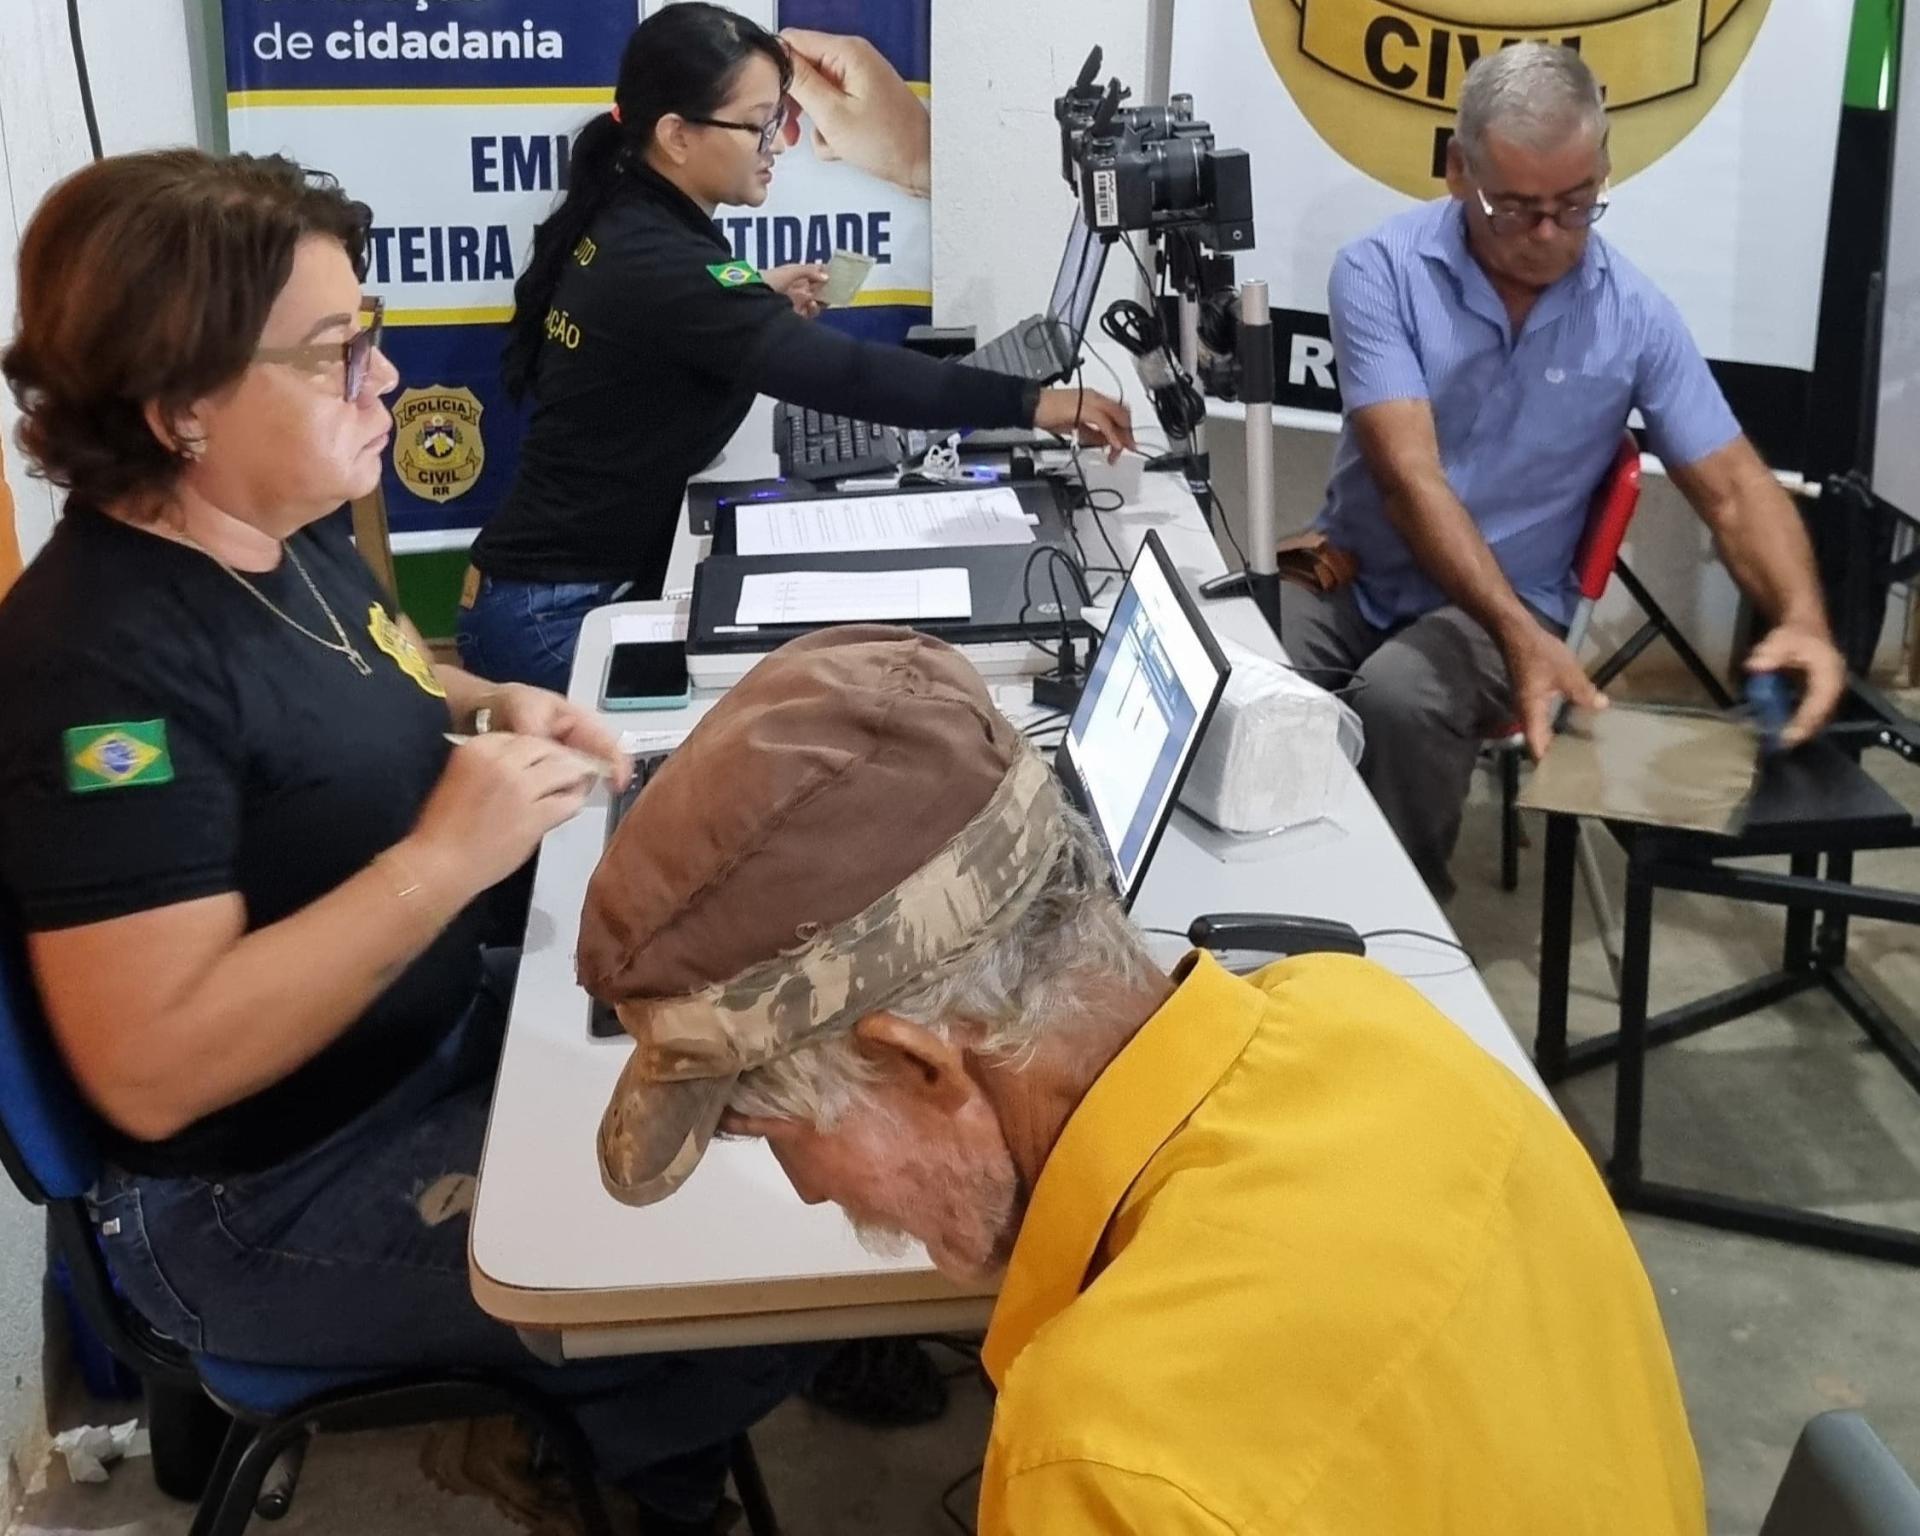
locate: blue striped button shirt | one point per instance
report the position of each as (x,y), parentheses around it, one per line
(1527,426)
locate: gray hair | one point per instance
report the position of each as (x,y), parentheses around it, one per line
(1535,95)
(1008,993)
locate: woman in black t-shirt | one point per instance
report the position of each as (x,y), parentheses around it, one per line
(244,855)
(642,344)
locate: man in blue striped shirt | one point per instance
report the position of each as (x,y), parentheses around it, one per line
(1490,348)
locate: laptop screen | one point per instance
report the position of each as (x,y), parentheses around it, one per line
(1151,691)
(1078,280)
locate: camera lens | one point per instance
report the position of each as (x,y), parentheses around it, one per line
(1174,170)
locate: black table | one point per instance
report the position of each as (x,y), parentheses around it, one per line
(1816,806)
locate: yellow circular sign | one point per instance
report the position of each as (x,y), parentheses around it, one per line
(1380,80)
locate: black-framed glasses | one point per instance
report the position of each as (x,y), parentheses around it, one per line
(1572,216)
(768,132)
(355,354)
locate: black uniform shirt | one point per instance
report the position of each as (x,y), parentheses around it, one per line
(168,738)
(656,344)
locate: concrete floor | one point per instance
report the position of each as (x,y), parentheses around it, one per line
(1791,1105)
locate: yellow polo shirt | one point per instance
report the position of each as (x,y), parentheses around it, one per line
(1308,1260)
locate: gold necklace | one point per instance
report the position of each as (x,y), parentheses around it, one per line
(343,646)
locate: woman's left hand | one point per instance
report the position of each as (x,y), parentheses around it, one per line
(804,284)
(536,712)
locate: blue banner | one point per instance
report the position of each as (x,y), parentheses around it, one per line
(452,120)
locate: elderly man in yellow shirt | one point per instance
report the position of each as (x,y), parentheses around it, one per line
(1281,1254)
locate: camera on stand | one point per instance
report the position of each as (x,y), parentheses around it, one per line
(1151,169)
(1157,171)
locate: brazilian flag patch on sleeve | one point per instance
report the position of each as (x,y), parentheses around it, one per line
(734,274)
(117,756)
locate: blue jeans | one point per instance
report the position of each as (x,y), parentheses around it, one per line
(353,1255)
(526,631)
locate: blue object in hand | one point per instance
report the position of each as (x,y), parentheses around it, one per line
(1771,705)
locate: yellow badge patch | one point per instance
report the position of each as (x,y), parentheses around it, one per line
(438,451)
(392,639)
(1380,80)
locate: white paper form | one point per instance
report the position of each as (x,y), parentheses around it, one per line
(649,628)
(934,520)
(845,597)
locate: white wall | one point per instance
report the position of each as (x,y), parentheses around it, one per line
(145,76)
(1000,208)
(150,89)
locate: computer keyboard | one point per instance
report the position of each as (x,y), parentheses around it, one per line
(816,445)
(602,1022)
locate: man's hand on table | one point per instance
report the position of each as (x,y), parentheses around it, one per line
(1542,672)
(1806,650)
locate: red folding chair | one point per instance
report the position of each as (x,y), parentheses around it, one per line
(1612,509)
(1594,563)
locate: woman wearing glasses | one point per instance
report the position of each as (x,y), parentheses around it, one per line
(244,856)
(641,344)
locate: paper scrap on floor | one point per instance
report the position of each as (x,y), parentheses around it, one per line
(838,525)
(850,597)
(1677,768)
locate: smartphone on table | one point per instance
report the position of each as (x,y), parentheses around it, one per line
(646,674)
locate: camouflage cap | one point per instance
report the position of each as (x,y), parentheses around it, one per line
(854,814)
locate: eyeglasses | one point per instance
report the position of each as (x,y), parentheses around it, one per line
(355,354)
(768,131)
(1517,221)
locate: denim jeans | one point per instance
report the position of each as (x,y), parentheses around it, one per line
(526,631)
(353,1255)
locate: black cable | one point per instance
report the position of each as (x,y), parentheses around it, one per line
(80,74)
(1134,328)
(1056,556)
(1073,445)
(1158,288)
(1417,933)
(1087,499)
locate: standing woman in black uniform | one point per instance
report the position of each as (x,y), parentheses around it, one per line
(642,352)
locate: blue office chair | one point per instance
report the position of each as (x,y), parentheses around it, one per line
(1842,1481)
(47,1146)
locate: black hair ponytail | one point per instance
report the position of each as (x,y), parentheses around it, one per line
(683,59)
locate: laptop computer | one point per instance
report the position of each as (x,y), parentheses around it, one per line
(816,445)
(1154,685)
(1046,347)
